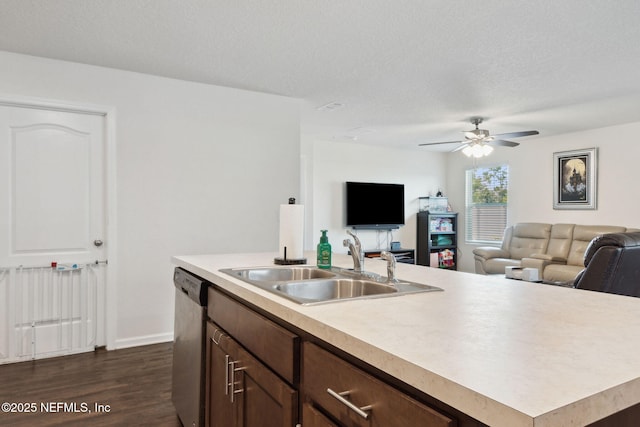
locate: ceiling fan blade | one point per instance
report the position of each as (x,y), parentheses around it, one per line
(516,134)
(503,143)
(462,146)
(439,143)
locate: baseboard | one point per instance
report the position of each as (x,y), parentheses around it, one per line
(143,340)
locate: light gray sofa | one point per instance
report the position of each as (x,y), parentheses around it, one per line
(555,250)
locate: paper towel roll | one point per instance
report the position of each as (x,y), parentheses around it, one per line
(292,231)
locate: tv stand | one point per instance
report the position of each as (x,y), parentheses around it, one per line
(406,256)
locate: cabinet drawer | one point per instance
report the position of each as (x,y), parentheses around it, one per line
(383,405)
(275,346)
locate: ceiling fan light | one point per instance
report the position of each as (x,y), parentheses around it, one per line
(477,150)
(486,150)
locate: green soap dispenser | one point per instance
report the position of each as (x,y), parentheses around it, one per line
(324,251)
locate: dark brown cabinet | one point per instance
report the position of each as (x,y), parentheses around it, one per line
(356,399)
(220,411)
(251,368)
(275,346)
(261,374)
(242,392)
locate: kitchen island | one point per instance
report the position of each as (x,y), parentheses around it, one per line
(506,353)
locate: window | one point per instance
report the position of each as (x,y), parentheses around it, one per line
(486,203)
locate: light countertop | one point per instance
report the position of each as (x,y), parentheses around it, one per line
(505,352)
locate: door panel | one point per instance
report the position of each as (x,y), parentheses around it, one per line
(52,208)
(261,392)
(220,411)
(51,186)
(50,196)
(241,391)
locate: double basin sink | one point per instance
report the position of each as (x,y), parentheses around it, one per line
(310,285)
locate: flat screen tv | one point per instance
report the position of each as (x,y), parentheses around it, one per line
(374,205)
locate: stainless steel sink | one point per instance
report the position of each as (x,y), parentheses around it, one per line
(278,274)
(323,290)
(310,285)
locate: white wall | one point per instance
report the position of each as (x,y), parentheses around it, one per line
(200,169)
(203,169)
(531,180)
(332,163)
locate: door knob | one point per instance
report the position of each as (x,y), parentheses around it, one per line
(97,242)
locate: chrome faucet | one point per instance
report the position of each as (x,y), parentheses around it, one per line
(391,265)
(356,252)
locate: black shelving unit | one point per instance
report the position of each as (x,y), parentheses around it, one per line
(438,239)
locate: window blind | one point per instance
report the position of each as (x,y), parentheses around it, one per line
(486,203)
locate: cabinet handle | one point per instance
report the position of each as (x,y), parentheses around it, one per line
(363,411)
(233,382)
(213,337)
(226,374)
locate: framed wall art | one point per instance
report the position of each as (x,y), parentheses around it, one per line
(575,179)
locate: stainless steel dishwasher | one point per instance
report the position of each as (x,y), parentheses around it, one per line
(188,381)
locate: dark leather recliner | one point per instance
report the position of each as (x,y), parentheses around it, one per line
(612,265)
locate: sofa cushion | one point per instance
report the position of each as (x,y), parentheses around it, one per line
(582,236)
(560,241)
(497,265)
(560,273)
(529,238)
(488,252)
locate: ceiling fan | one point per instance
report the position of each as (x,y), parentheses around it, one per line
(479,142)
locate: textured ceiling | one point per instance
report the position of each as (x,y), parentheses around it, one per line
(405,72)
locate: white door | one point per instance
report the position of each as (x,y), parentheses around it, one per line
(52,225)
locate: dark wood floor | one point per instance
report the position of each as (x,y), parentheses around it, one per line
(135,383)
